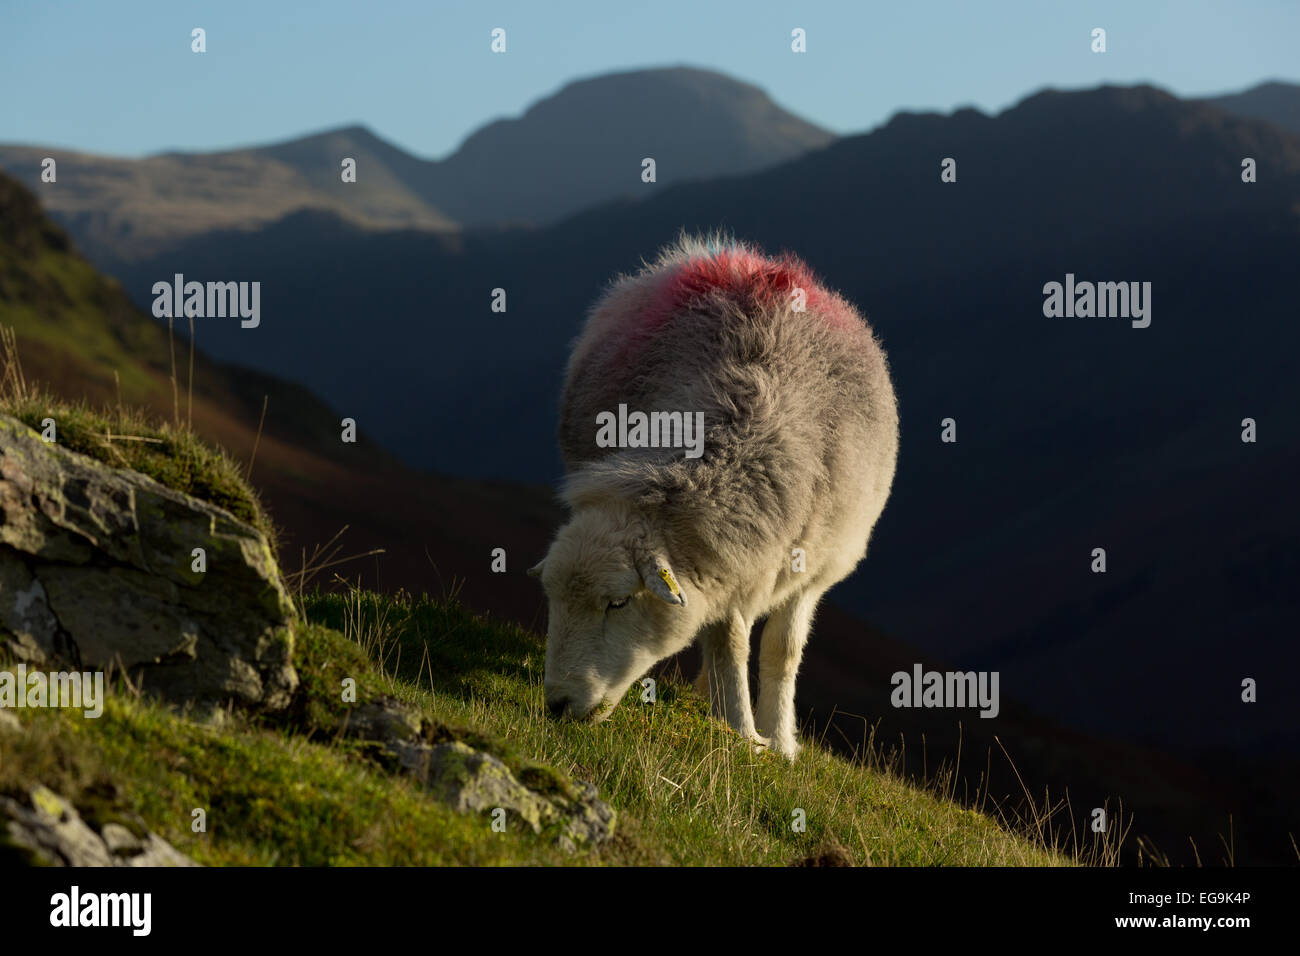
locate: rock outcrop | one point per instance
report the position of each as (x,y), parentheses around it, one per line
(96,573)
(475,781)
(41,827)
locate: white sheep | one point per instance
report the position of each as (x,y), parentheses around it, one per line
(800,442)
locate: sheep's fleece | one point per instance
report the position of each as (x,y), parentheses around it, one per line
(672,541)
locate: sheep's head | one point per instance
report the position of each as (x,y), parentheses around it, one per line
(615,608)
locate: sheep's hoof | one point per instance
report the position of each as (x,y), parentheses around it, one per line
(787,747)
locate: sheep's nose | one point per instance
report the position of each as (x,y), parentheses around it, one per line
(556,706)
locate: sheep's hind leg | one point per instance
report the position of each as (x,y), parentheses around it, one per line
(725,673)
(779,653)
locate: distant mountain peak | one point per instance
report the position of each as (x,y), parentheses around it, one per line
(1140,96)
(1274,101)
(358,133)
(588,140)
(1264,86)
(680,73)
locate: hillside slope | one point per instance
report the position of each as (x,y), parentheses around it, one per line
(296,791)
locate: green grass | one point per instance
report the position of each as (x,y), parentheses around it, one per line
(689,791)
(270,798)
(290,790)
(58,300)
(53,297)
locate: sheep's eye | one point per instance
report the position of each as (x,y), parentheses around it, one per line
(615,605)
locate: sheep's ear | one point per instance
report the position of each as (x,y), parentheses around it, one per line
(536,570)
(660,581)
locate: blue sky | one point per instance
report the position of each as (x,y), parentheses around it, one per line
(118,77)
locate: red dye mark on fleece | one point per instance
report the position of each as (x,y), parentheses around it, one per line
(749,280)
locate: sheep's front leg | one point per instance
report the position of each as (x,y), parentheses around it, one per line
(779,653)
(724,674)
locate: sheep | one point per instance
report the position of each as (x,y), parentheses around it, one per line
(800,444)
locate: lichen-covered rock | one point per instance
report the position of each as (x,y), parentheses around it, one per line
(96,572)
(384,720)
(589,819)
(47,830)
(474,781)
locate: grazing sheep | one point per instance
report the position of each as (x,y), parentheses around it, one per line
(800,440)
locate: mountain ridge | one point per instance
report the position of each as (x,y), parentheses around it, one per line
(699,123)
(1274,101)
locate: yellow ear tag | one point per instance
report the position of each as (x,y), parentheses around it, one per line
(671,581)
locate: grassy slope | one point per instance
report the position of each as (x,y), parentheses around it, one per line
(688,790)
(288,791)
